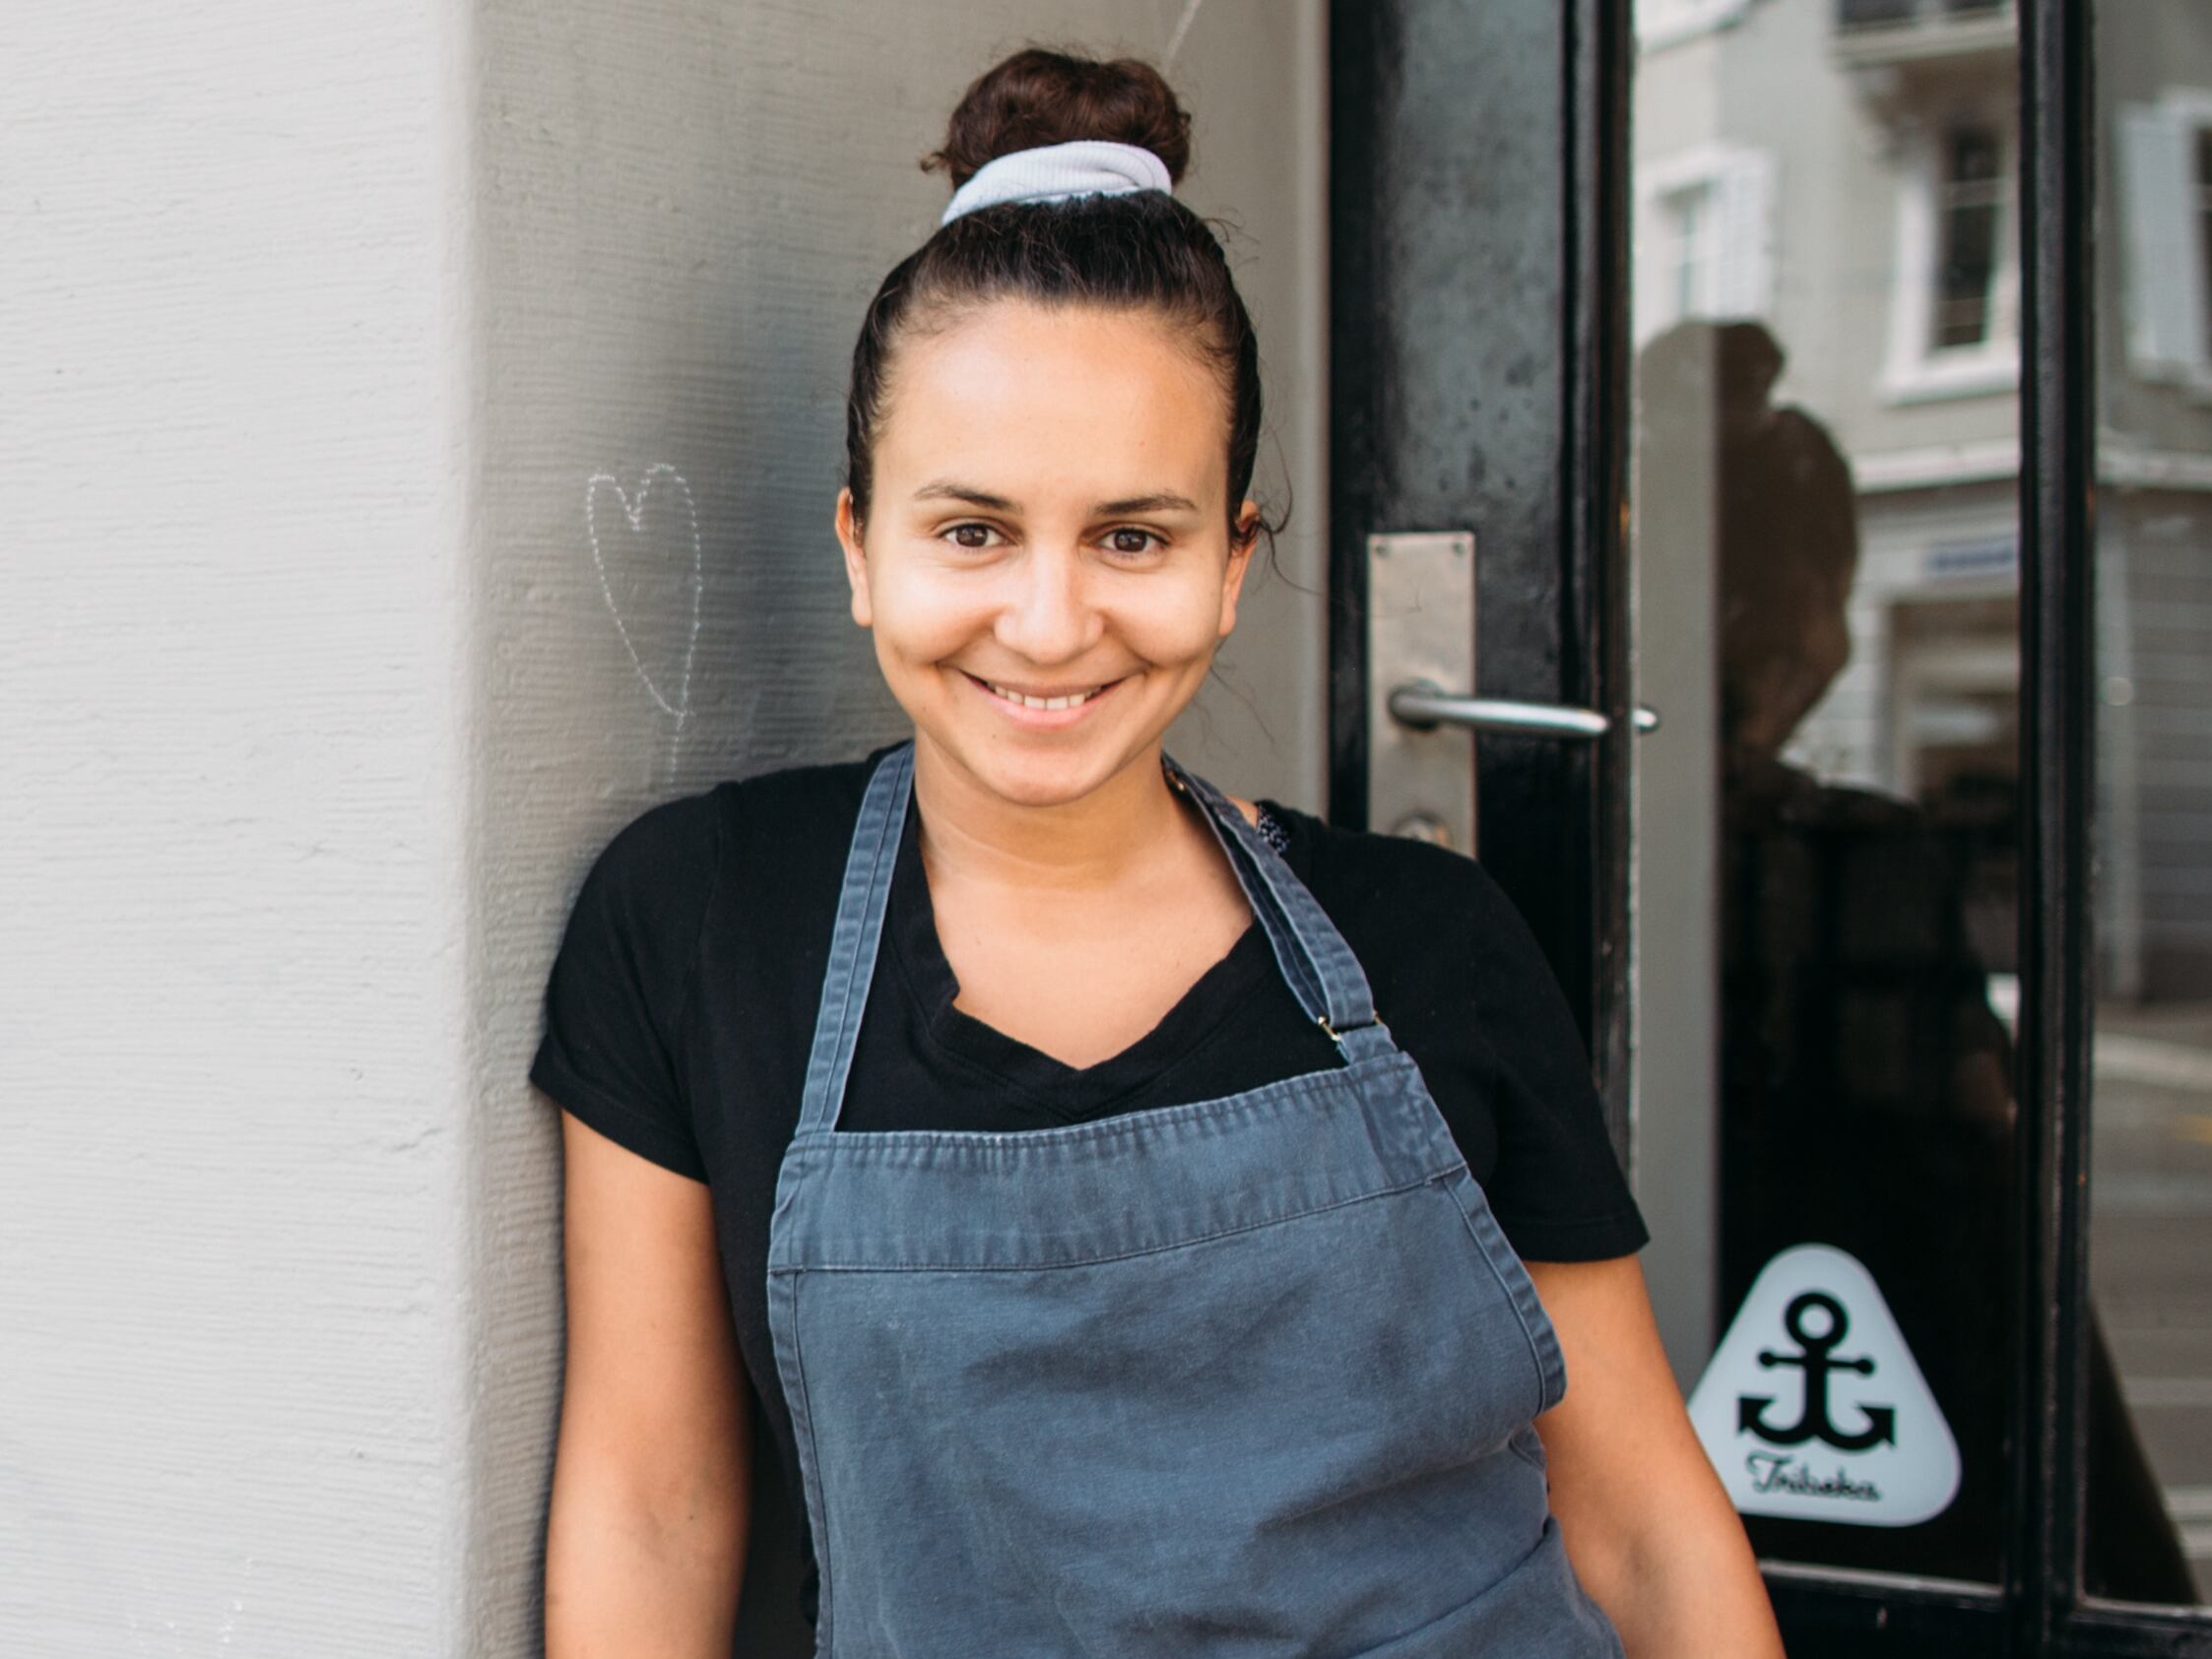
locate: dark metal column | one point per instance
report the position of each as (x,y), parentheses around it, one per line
(2057,647)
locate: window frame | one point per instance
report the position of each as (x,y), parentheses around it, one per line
(1914,368)
(2165,266)
(1739,183)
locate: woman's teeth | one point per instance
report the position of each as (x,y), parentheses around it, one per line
(1030,702)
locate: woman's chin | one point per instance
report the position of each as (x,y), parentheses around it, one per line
(1025,776)
(1030,770)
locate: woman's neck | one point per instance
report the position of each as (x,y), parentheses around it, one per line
(1091,844)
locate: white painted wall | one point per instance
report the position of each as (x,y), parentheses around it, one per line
(312,336)
(236,1344)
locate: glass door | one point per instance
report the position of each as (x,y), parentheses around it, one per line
(1833,379)
(2148,1214)
(1823,205)
(1936,826)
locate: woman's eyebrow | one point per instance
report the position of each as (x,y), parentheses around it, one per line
(1164,501)
(1160,501)
(948,490)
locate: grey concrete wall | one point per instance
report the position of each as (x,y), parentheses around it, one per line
(685,206)
(314,337)
(236,391)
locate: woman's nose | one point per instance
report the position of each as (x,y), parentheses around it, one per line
(1048,616)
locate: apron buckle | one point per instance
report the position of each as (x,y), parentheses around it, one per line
(1337,1037)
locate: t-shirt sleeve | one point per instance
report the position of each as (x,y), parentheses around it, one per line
(1468,992)
(612,1052)
(1558,1190)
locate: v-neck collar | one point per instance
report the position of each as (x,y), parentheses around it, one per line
(1070,1092)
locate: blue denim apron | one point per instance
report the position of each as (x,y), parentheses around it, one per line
(1251,1375)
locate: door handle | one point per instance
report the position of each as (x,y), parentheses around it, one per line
(1424,704)
(1421,737)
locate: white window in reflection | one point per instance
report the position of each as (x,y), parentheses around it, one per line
(1955,300)
(1663,22)
(2203,216)
(1967,200)
(1685,252)
(1703,238)
(2165,206)
(1878,14)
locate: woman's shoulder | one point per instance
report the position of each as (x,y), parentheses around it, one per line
(1365,868)
(794,802)
(1468,992)
(682,848)
(1419,914)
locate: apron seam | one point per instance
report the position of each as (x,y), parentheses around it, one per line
(1513,1295)
(867,1144)
(1118,1256)
(818,1526)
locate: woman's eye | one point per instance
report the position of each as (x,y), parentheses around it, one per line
(1131,540)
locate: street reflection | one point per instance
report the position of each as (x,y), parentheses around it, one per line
(2150,1245)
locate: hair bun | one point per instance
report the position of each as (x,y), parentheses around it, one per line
(1037,98)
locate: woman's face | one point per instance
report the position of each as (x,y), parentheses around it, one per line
(1049,526)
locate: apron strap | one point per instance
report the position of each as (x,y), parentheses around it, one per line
(861,905)
(1326,977)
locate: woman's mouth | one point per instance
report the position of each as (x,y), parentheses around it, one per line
(1033,701)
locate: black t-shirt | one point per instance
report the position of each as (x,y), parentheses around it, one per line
(681,1009)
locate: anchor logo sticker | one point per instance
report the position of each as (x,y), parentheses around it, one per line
(1813,1349)
(1862,1441)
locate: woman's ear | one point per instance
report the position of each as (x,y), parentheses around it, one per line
(856,557)
(1242,541)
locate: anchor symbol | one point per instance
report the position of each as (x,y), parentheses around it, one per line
(1815,1347)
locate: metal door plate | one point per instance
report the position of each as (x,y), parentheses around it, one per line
(1420,625)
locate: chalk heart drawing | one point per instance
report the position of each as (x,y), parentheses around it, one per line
(661,516)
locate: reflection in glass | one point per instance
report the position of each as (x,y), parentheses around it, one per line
(2203,206)
(1829,410)
(2150,1246)
(1966,209)
(1864,1087)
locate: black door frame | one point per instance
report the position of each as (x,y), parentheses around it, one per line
(1415,124)
(1467,391)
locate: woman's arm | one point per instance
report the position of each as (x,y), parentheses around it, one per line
(651,1490)
(1648,1526)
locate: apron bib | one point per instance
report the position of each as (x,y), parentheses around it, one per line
(1248,1376)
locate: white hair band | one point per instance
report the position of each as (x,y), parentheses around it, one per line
(1055,172)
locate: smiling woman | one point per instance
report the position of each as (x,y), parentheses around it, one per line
(1011,1107)
(1046,576)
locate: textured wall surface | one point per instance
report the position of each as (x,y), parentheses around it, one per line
(233,870)
(685,206)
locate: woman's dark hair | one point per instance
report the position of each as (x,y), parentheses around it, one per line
(1143,250)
